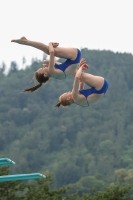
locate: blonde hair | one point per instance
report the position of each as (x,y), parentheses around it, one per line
(62,102)
(40,79)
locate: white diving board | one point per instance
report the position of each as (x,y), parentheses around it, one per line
(21,177)
(6,161)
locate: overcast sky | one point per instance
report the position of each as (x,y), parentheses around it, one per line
(95,24)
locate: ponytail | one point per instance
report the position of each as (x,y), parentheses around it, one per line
(33,88)
(58,104)
(40,79)
(62,102)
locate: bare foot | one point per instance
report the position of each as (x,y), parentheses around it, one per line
(22,40)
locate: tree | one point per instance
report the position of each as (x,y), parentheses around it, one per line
(13,67)
(23,61)
(10,190)
(115,192)
(3,68)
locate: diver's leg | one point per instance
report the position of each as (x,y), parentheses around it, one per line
(37,45)
(92,81)
(68,53)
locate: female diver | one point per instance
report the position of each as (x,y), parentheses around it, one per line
(81,96)
(51,68)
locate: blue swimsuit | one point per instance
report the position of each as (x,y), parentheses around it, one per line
(92,90)
(68,62)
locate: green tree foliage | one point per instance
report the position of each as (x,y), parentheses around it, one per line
(9,190)
(32,190)
(42,189)
(73,143)
(115,192)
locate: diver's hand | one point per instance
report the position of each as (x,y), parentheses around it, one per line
(54,44)
(82,61)
(83,64)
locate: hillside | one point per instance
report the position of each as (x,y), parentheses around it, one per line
(87,147)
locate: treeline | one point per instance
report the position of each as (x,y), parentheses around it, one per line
(85,147)
(41,189)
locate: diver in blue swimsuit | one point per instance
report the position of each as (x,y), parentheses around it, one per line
(84,97)
(68,62)
(51,68)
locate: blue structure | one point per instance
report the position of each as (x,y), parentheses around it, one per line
(21,177)
(7,161)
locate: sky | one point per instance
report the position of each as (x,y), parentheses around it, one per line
(92,24)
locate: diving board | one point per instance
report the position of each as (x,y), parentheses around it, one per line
(6,161)
(21,177)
